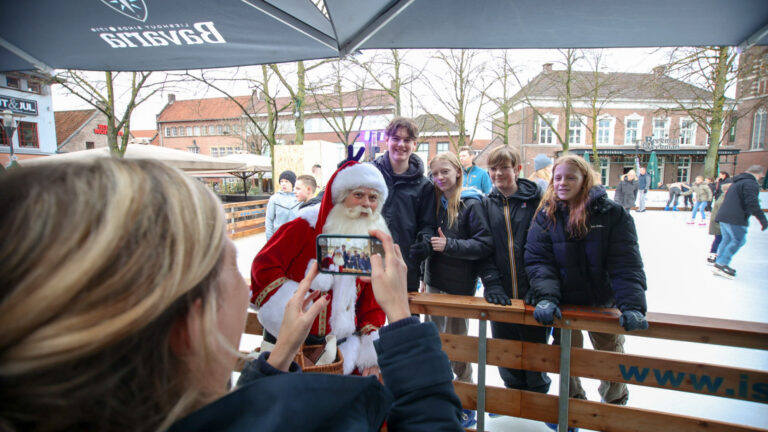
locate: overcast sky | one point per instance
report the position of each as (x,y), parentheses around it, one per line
(640,60)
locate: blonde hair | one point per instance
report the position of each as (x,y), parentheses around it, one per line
(454,201)
(578,225)
(544,174)
(99,260)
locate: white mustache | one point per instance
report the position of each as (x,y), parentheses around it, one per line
(355,212)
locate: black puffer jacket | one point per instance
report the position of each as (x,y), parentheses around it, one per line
(509,219)
(409,210)
(603,269)
(742,200)
(455,269)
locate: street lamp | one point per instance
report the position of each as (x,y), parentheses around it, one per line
(9,124)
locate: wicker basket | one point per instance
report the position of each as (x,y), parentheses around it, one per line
(308,355)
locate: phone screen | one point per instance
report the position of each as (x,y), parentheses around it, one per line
(347,254)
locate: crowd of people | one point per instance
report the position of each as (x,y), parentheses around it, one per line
(122,308)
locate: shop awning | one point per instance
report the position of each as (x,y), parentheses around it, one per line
(661,152)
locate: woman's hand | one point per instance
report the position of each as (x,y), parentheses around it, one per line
(438,243)
(297,321)
(389,279)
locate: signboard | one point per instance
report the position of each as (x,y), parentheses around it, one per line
(102,130)
(18,106)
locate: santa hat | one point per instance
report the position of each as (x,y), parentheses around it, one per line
(350,176)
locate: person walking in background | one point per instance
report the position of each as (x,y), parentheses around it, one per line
(474,176)
(714,226)
(317,173)
(305,188)
(703,195)
(283,205)
(674,195)
(463,240)
(410,206)
(741,201)
(626,190)
(542,174)
(510,207)
(643,185)
(582,249)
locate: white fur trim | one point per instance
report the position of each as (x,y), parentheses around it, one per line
(359,175)
(367,356)
(271,313)
(350,349)
(342,319)
(310,214)
(322,282)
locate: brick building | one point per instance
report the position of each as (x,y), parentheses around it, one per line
(752,93)
(80,130)
(27,95)
(633,110)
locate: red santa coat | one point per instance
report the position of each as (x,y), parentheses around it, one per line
(352,312)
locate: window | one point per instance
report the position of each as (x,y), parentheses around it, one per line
(33,87)
(442,147)
(167,131)
(545,132)
(660,128)
(197,130)
(89,145)
(633,127)
(732,131)
(236,129)
(605,131)
(215,151)
(3,137)
(758,130)
(605,170)
(193,149)
(181,131)
(230,150)
(12,82)
(687,132)
(684,169)
(211,130)
(226,129)
(28,135)
(189,130)
(174,132)
(219,130)
(576,130)
(762,86)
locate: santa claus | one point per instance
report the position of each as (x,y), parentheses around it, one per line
(351,205)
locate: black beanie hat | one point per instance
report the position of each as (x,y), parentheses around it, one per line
(288,175)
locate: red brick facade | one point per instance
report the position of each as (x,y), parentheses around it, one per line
(752,93)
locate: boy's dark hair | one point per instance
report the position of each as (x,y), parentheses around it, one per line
(402,122)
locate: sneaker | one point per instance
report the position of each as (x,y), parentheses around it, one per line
(711,259)
(553,426)
(691,222)
(724,271)
(666,208)
(674,209)
(468,418)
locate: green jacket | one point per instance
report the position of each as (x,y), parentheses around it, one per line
(701,192)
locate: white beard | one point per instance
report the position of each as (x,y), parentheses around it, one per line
(338,260)
(344,221)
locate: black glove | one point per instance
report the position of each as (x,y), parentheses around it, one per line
(496,295)
(420,250)
(351,156)
(545,312)
(633,320)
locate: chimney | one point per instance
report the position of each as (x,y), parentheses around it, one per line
(547,67)
(171,98)
(659,70)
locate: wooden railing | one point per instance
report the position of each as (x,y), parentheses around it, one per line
(693,377)
(245,218)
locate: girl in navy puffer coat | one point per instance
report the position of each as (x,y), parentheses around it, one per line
(582,249)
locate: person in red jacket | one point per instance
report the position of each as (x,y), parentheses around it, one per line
(351,205)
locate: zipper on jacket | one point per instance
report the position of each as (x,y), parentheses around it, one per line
(511,248)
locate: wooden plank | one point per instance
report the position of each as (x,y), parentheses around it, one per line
(245,223)
(254,212)
(463,307)
(228,206)
(246,233)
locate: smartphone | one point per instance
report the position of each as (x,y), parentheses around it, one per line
(347,254)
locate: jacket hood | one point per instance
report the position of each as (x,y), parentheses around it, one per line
(526,189)
(414,171)
(595,194)
(471,192)
(744,177)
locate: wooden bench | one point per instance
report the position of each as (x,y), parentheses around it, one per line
(245,218)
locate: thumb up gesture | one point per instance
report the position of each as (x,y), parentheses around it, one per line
(438,243)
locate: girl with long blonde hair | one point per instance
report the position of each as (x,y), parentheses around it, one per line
(582,249)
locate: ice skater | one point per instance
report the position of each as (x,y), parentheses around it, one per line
(703,195)
(714,226)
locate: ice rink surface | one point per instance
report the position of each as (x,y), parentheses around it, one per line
(679,282)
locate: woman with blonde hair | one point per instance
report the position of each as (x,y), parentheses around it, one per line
(122,308)
(463,239)
(582,249)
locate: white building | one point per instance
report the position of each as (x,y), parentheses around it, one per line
(28,96)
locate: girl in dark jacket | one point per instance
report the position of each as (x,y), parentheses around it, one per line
(582,249)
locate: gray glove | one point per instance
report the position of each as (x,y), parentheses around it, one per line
(545,312)
(633,320)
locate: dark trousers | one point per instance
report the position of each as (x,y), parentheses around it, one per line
(674,194)
(518,378)
(715,243)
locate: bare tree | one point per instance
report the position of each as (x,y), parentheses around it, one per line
(390,71)
(711,68)
(503,83)
(105,97)
(458,91)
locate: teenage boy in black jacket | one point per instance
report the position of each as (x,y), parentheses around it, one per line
(510,208)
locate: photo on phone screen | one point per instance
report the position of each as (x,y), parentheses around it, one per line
(347,255)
